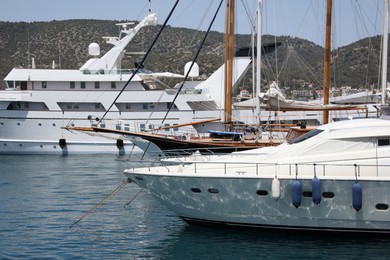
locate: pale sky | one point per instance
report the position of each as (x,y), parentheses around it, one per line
(352,19)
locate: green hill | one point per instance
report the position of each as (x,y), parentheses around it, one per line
(296,61)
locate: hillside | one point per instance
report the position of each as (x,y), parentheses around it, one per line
(298,60)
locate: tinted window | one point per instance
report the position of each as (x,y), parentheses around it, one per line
(306,136)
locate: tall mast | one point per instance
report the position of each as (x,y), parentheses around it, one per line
(384,49)
(258,54)
(229,33)
(327,58)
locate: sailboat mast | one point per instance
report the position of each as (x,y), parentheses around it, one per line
(258,55)
(229,33)
(384,49)
(327,58)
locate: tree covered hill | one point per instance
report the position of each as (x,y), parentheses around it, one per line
(294,62)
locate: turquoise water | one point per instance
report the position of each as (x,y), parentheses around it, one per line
(42,196)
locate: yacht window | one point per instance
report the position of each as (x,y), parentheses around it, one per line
(128,106)
(44,84)
(166,125)
(10,84)
(97,84)
(113,84)
(176,128)
(72,84)
(82,84)
(23,85)
(383,142)
(169,104)
(148,106)
(20,105)
(305,136)
(69,106)
(98,106)
(262,192)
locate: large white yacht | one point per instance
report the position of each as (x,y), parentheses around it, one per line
(38,103)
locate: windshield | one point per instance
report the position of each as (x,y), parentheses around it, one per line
(305,136)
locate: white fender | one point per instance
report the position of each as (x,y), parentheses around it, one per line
(275,188)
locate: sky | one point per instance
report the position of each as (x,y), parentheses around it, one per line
(352,19)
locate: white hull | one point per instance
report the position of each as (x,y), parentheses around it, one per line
(241,189)
(238,204)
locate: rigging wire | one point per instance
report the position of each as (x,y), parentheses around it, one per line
(192,64)
(141,64)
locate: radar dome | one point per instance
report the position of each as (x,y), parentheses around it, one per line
(94,49)
(194,71)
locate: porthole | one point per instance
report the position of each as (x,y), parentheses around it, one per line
(212,190)
(328,195)
(139,178)
(382,206)
(41,146)
(18,123)
(55,147)
(5,144)
(196,190)
(40,124)
(20,145)
(54,124)
(307,194)
(1,123)
(262,192)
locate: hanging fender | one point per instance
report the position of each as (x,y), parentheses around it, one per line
(357,196)
(62,143)
(296,193)
(316,190)
(275,188)
(119,143)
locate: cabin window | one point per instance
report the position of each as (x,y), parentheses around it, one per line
(146,106)
(10,84)
(169,104)
(72,84)
(128,106)
(97,84)
(212,190)
(306,136)
(175,128)
(166,125)
(196,190)
(262,192)
(20,105)
(68,106)
(382,206)
(44,84)
(328,195)
(113,84)
(383,142)
(23,85)
(99,106)
(142,127)
(82,85)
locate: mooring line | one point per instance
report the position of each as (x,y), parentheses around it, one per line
(123,184)
(128,203)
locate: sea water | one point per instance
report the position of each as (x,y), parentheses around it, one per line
(41,197)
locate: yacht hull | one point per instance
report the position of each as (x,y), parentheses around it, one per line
(248,202)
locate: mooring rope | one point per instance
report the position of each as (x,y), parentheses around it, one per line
(128,203)
(123,184)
